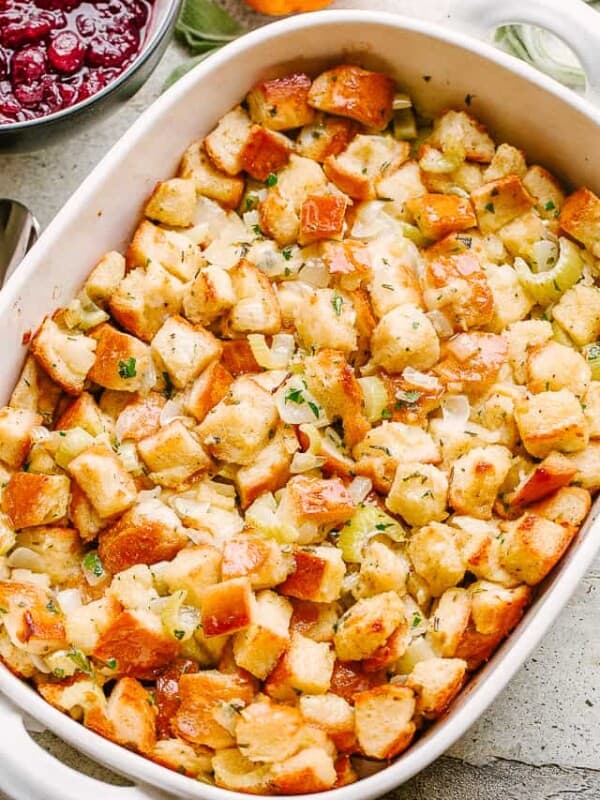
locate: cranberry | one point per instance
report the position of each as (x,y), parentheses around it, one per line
(113,52)
(91,84)
(29,94)
(28,64)
(66,52)
(139,11)
(9,106)
(86,25)
(4,59)
(28,31)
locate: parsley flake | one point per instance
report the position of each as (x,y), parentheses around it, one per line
(337,304)
(272,179)
(127,368)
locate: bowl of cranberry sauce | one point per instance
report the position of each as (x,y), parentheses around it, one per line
(63,59)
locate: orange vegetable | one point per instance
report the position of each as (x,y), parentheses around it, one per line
(279,7)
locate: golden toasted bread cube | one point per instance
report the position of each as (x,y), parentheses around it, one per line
(568,506)
(268,732)
(84,412)
(267,473)
(173,454)
(122,361)
(184,349)
(134,305)
(580,218)
(32,618)
(83,516)
(35,391)
(65,355)
(105,481)
(209,181)
(140,417)
(397,442)
(85,623)
(234,771)
(202,695)
(404,337)
(552,421)
(210,294)
(31,499)
(181,757)
(521,234)
(147,533)
(240,424)
(322,217)
(381,570)
(326,136)
(105,277)
(350,91)
(60,548)
(476,480)
(305,666)
(131,716)
(78,696)
(436,557)
(400,186)
(192,569)
(327,318)
(546,190)
(521,336)
(170,250)
(591,401)
(265,152)
(310,770)
(507,160)
(262,560)
(578,312)
(315,620)
(325,501)
(497,609)
(531,545)
(553,366)
(587,463)
(367,625)
(419,493)
(136,640)
(511,302)
(480,548)
(256,308)
(554,472)
(18,661)
(317,576)
(16,426)
(226,142)
(281,103)
(449,621)
(258,648)
(209,388)
(456,129)
(438,215)
(173,202)
(332,714)
(436,682)
(498,202)
(366,160)
(227,607)
(384,724)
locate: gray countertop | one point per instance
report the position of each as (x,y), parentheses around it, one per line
(541,739)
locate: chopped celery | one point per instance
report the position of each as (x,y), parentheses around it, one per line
(179,621)
(367,522)
(591,353)
(376,397)
(405,124)
(402,101)
(71,444)
(547,287)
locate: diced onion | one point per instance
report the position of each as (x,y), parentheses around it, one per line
(417,378)
(304,462)
(297,405)
(547,287)
(262,517)
(69,600)
(370,221)
(401,101)
(172,410)
(39,434)
(24,558)
(315,273)
(544,254)
(83,313)
(375,395)
(359,488)
(39,663)
(456,410)
(275,357)
(251,218)
(71,444)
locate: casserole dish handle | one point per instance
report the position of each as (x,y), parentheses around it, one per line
(574,22)
(30,773)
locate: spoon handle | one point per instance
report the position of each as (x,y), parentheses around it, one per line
(19,230)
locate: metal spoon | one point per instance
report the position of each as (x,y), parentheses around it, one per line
(19,229)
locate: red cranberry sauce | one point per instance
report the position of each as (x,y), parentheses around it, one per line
(55,53)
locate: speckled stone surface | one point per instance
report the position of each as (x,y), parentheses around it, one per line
(541,739)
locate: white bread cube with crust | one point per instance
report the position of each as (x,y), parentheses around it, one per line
(399,442)
(587,463)
(35,391)
(439,215)
(479,546)
(32,499)
(171,250)
(209,295)
(208,389)
(546,190)
(240,424)
(568,506)
(192,569)
(436,558)
(552,421)
(531,545)
(578,313)
(281,103)
(76,697)
(173,202)
(476,480)
(350,91)
(381,570)
(498,202)
(258,648)
(83,516)
(507,160)
(263,560)
(173,454)
(18,661)
(208,180)
(591,401)
(84,412)
(367,159)
(267,473)
(521,234)
(554,366)
(265,152)
(367,625)
(256,308)
(384,725)
(181,757)
(234,771)
(105,277)
(310,770)
(145,298)
(333,715)
(457,128)
(123,363)
(419,493)
(32,618)
(326,136)
(400,186)
(449,621)
(511,301)
(317,576)
(496,609)
(269,732)
(133,588)
(65,355)
(580,218)
(60,548)
(317,621)
(521,336)
(184,349)
(129,718)
(226,142)
(16,426)
(326,318)
(436,682)
(305,667)
(404,337)
(227,607)
(105,481)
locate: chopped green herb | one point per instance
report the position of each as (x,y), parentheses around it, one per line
(387,286)
(50,605)
(490,207)
(179,634)
(93,564)
(127,368)
(168,390)
(408,398)
(337,304)
(80,660)
(251,202)
(272,179)
(386,414)
(549,206)
(416,620)
(112,663)
(257,230)
(58,672)
(314,408)
(287,253)
(294,396)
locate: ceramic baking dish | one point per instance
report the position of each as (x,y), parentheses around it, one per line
(439,68)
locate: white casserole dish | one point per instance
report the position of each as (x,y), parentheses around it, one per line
(550,123)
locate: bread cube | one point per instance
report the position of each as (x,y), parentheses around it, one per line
(449,621)
(553,366)
(357,169)
(104,278)
(35,391)
(310,770)
(326,319)
(404,337)
(137,641)
(568,506)
(578,312)
(140,417)
(210,295)
(170,250)
(60,548)
(306,666)
(546,190)
(83,516)
(32,618)
(384,724)
(580,218)
(234,771)
(318,575)
(476,480)
(332,714)
(325,501)
(367,625)
(262,560)
(587,464)
(317,621)
(65,355)
(531,545)
(173,202)
(281,103)
(419,493)
(31,499)
(193,569)
(498,202)
(105,481)
(267,473)
(227,607)
(173,455)
(181,757)
(326,136)
(436,682)
(264,152)
(258,648)
(78,697)
(17,661)
(510,302)
(350,91)
(226,142)
(209,388)
(202,695)
(133,588)
(507,160)
(184,349)
(130,717)
(83,412)
(322,217)
(240,424)
(459,129)
(16,426)
(438,215)
(522,336)
(256,308)
(381,570)
(521,234)
(436,557)
(552,421)
(86,623)
(208,180)
(497,609)
(147,533)
(472,361)
(122,361)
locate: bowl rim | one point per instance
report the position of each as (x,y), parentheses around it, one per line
(154,36)
(485,685)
